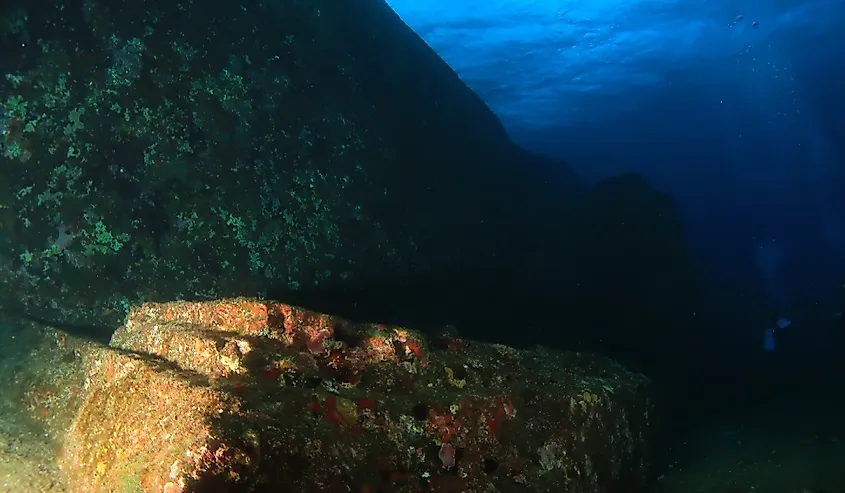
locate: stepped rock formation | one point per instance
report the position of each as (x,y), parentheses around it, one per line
(249,395)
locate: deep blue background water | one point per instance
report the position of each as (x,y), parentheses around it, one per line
(737,109)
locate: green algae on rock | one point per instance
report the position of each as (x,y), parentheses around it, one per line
(170,149)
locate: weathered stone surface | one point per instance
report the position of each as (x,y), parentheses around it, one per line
(174,149)
(41,388)
(248,395)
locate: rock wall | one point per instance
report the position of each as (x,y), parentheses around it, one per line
(176,150)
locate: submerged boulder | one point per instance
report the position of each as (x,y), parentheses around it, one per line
(249,395)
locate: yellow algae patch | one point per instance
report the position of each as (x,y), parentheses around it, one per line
(453,381)
(348,410)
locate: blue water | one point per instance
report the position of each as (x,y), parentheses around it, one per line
(736,109)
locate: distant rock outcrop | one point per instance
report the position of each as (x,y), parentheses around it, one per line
(637,284)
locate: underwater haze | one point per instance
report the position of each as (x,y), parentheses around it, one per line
(734,108)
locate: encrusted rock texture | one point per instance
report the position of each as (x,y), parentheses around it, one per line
(251,395)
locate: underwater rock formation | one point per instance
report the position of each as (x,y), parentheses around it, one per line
(170,149)
(249,395)
(637,283)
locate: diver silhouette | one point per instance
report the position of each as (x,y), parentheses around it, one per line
(841,314)
(839,332)
(842,321)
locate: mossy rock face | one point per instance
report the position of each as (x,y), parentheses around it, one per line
(247,395)
(174,150)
